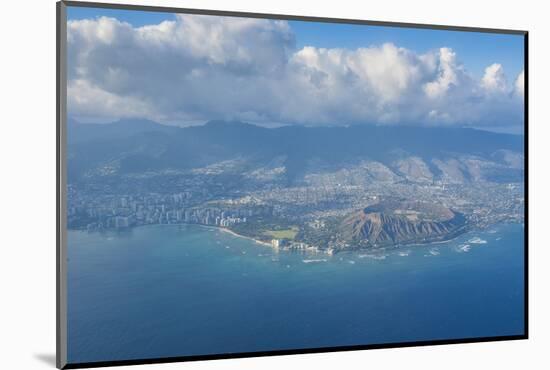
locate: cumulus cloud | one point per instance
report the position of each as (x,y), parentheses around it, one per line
(520,84)
(494,78)
(90,100)
(447,74)
(195,68)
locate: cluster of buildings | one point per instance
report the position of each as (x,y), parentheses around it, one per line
(158,216)
(121,212)
(285,244)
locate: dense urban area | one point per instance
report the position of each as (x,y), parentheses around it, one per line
(302,216)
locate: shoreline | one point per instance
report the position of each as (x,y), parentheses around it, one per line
(267,244)
(427,244)
(231,232)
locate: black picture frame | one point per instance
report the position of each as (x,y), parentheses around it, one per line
(61,121)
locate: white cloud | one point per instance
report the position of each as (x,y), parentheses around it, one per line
(520,84)
(90,100)
(447,74)
(387,71)
(494,78)
(438,117)
(196,68)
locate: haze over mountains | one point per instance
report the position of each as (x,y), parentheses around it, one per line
(295,154)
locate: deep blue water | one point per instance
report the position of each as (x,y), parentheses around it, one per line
(162,291)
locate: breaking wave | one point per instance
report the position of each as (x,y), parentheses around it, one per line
(373,256)
(435,252)
(315,260)
(477,240)
(464,248)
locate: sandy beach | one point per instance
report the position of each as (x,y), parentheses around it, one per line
(225,230)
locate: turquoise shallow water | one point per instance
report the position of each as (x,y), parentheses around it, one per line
(176,290)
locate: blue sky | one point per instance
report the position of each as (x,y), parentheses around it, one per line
(476,50)
(311,73)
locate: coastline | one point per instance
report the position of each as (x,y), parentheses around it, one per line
(382,248)
(226,230)
(426,244)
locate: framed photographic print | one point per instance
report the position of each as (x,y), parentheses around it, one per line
(235,184)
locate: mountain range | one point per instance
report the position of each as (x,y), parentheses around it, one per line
(291,154)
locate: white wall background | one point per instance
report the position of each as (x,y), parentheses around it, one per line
(27,205)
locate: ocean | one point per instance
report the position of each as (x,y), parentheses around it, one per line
(179,290)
